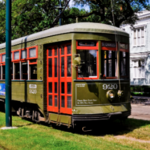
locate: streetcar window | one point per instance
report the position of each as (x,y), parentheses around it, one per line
(17,70)
(55,87)
(50,87)
(32,60)
(62,50)
(124,64)
(109,63)
(68,87)
(69,101)
(50,52)
(55,51)
(68,49)
(69,66)
(23,54)
(3,58)
(33,71)
(50,67)
(24,71)
(109,44)
(88,67)
(55,100)
(62,101)
(50,100)
(55,67)
(62,66)
(86,43)
(62,87)
(16,55)
(32,52)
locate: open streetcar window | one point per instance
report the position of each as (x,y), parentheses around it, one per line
(88,52)
(17,70)
(88,63)
(24,70)
(33,71)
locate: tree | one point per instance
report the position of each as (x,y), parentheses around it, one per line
(2,22)
(30,16)
(124,11)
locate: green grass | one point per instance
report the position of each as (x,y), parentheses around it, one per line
(30,136)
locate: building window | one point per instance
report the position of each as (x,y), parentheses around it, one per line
(139,37)
(138,69)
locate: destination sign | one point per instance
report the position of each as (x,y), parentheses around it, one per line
(108,44)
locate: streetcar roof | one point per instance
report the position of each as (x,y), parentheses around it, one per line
(86,27)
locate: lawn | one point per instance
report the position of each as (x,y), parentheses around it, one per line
(135,135)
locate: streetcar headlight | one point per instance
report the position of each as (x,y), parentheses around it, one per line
(110,95)
(120,93)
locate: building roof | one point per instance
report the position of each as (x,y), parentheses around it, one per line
(86,27)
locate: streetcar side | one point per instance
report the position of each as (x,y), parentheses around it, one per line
(70,77)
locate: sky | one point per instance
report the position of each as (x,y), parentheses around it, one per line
(86,7)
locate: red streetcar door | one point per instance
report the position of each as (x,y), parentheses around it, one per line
(59,79)
(52,79)
(66,79)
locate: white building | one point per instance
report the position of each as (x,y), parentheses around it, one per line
(139,49)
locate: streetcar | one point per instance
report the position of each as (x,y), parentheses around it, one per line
(70,74)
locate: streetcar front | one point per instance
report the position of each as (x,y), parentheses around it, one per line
(102,85)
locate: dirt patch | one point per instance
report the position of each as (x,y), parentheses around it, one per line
(2,148)
(130,138)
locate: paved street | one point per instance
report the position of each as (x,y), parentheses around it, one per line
(140,111)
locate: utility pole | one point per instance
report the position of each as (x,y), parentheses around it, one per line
(8,65)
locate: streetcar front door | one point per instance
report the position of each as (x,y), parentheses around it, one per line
(59,79)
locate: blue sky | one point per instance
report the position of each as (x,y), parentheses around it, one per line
(86,7)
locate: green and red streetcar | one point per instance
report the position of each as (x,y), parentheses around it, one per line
(75,73)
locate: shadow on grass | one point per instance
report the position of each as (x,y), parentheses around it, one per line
(112,127)
(102,128)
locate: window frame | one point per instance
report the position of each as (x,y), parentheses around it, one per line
(97,58)
(136,38)
(104,48)
(127,67)
(13,56)
(2,63)
(23,59)
(28,52)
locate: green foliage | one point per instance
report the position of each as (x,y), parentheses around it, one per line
(30,16)
(124,10)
